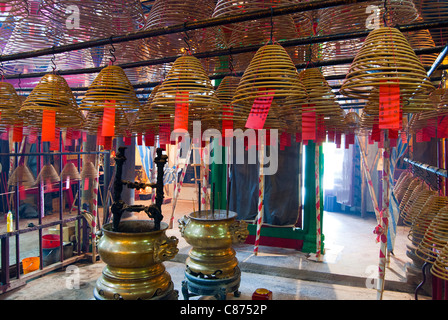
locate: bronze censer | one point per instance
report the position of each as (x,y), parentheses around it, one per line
(134,250)
(212,267)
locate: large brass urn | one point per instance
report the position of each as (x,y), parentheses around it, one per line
(212,266)
(134,259)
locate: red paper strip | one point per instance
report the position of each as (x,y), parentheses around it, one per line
(48,125)
(331,136)
(375,132)
(54,144)
(108,143)
(404,137)
(181,112)
(22,193)
(99,136)
(308,123)
(86,184)
(139,139)
(164,135)
(108,127)
(17,133)
(338,139)
(149,138)
(32,137)
(298,136)
(227,120)
(127,140)
(389,109)
(260,109)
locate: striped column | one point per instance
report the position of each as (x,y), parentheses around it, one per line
(260,199)
(318,217)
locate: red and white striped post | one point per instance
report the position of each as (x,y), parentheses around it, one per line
(260,198)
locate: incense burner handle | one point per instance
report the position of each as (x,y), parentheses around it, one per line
(183,222)
(239,232)
(165,249)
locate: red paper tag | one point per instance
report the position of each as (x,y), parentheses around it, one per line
(54,144)
(164,135)
(99,136)
(181,112)
(108,143)
(298,136)
(32,137)
(108,128)
(260,109)
(308,123)
(404,137)
(149,138)
(338,139)
(139,139)
(22,192)
(48,125)
(127,140)
(17,133)
(227,120)
(389,110)
(330,136)
(86,184)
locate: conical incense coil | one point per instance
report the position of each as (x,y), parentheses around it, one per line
(432,11)
(47,174)
(52,93)
(422,221)
(172,12)
(319,92)
(111,88)
(414,188)
(404,175)
(271,72)
(88,171)
(70,172)
(186,83)
(386,58)
(440,266)
(411,210)
(94,121)
(421,39)
(146,118)
(21,176)
(435,238)
(403,186)
(10,104)
(258,32)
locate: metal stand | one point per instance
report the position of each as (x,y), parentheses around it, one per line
(195,285)
(118,207)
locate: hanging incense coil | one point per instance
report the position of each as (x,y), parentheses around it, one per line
(434,11)
(435,238)
(111,84)
(52,93)
(422,221)
(188,83)
(355,17)
(165,13)
(404,184)
(271,72)
(320,95)
(414,188)
(421,39)
(146,118)
(21,176)
(110,89)
(70,172)
(10,104)
(30,31)
(88,171)
(225,92)
(403,176)
(47,174)
(258,32)
(412,209)
(440,266)
(386,58)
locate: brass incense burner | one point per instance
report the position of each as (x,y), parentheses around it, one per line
(212,266)
(134,250)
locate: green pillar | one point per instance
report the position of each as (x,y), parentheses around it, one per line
(309,209)
(218,176)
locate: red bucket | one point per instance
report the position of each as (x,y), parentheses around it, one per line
(50,241)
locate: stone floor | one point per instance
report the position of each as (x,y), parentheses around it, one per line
(346,272)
